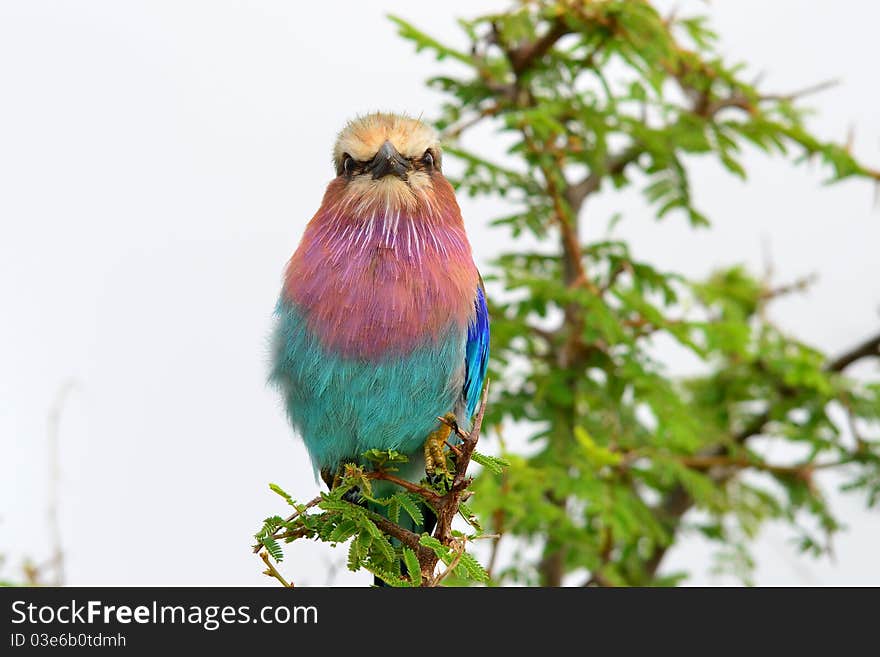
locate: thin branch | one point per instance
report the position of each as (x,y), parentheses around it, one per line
(800,471)
(425,493)
(448,570)
(271,571)
(597,578)
(449,504)
(454,131)
(522,57)
(454,449)
(292,534)
(678,501)
(54,423)
(799,285)
(613,166)
(405,536)
(278,533)
(469,444)
(867,349)
(564,214)
(801,93)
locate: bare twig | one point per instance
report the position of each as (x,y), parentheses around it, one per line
(522,57)
(799,285)
(426,493)
(867,349)
(292,534)
(454,131)
(56,561)
(801,93)
(271,571)
(454,449)
(448,505)
(800,471)
(452,564)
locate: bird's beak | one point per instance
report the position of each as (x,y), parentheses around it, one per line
(389,161)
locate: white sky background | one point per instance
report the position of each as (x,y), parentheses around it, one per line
(158,163)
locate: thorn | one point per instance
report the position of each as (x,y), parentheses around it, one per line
(450,421)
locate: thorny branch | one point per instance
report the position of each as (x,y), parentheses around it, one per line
(450,503)
(445,507)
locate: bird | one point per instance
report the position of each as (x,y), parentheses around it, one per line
(381,328)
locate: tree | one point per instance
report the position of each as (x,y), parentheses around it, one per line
(624,452)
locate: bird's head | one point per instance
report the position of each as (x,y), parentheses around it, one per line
(387,157)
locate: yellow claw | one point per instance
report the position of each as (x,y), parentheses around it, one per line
(435,454)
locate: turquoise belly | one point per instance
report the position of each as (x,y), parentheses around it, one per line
(344,407)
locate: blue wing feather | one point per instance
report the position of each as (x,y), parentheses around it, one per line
(476,354)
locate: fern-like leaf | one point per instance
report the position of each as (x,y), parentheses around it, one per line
(273,548)
(470,568)
(413,567)
(491,463)
(411,506)
(280,491)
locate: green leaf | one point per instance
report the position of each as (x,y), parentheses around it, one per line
(494,464)
(388,577)
(383,547)
(355,556)
(442,552)
(470,516)
(385,459)
(343,531)
(411,503)
(278,490)
(469,568)
(597,455)
(273,548)
(412,566)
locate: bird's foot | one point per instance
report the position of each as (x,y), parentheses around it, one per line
(353,495)
(435,449)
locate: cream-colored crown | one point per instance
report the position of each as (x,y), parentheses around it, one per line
(363,137)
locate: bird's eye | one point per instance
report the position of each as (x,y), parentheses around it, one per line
(347,164)
(428,159)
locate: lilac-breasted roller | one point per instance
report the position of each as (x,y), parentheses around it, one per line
(382,323)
